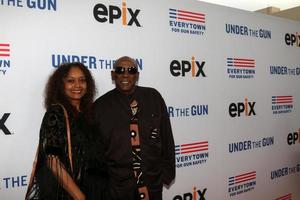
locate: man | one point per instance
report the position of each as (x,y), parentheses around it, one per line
(137,136)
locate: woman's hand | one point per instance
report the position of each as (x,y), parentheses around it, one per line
(64,178)
(79,196)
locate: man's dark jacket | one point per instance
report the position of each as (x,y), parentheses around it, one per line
(112,117)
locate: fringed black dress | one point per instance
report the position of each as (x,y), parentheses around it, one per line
(89,171)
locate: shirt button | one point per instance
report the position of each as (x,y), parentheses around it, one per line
(142,195)
(133,133)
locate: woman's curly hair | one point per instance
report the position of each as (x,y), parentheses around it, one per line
(54,91)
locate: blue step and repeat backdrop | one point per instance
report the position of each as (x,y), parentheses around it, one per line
(230,79)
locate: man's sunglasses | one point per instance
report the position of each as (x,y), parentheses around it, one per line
(130,70)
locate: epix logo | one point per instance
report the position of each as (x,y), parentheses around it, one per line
(111,13)
(195,195)
(294,137)
(2,124)
(181,68)
(292,39)
(246,107)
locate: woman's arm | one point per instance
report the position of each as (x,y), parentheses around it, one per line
(64,178)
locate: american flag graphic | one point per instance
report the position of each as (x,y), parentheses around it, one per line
(282,100)
(4,50)
(191,147)
(241,178)
(240,62)
(285,197)
(184,15)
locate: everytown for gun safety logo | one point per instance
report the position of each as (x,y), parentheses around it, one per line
(186,22)
(4,58)
(242,183)
(190,154)
(240,68)
(282,104)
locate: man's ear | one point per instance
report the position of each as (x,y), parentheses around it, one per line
(112,73)
(137,76)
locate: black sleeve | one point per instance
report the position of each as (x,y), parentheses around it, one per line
(168,146)
(96,159)
(53,132)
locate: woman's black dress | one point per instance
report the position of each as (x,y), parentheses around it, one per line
(89,171)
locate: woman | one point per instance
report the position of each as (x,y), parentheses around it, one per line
(57,176)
